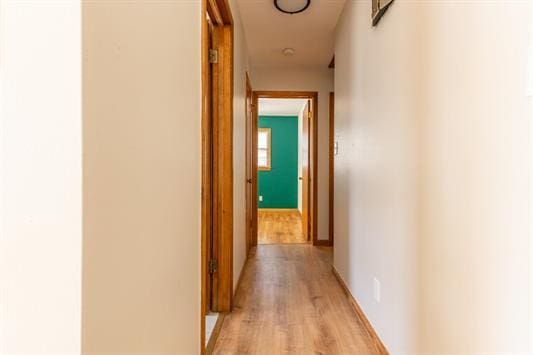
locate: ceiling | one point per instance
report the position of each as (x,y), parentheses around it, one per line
(310,33)
(281,107)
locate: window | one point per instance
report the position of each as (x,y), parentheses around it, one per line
(263,149)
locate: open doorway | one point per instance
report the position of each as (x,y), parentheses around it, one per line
(286,167)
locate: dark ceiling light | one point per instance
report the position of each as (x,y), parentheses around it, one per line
(292,6)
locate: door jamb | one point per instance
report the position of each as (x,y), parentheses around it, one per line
(221,176)
(251,170)
(313,147)
(331,167)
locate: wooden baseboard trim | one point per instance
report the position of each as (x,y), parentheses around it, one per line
(378,344)
(214,336)
(278,210)
(322,243)
(241,274)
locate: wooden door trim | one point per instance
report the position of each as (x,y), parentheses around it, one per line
(313,142)
(223,167)
(251,172)
(331,166)
(221,176)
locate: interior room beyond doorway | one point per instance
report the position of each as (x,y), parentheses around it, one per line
(283,154)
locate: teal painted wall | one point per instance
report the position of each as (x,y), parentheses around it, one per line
(279,186)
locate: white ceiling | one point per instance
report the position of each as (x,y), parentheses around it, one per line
(310,33)
(281,107)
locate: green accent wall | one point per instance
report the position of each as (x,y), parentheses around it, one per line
(279,186)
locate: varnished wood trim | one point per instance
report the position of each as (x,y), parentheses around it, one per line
(314,170)
(220,321)
(322,243)
(223,167)
(255,120)
(214,336)
(251,171)
(214,13)
(378,344)
(331,167)
(313,146)
(221,112)
(206,175)
(286,94)
(225,11)
(220,13)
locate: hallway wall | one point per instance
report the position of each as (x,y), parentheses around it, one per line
(432,176)
(377,117)
(320,80)
(476,179)
(142,175)
(40,177)
(241,66)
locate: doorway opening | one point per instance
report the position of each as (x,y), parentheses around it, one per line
(285,162)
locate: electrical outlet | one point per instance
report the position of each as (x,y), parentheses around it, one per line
(260,198)
(336,148)
(377,290)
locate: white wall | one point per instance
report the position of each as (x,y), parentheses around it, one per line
(475,188)
(40,177)
(320,80)
(376,169)
(142,176)
(432,173)
(241,66)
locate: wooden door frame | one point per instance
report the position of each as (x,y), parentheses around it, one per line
(251,170)
(217,157)
(313,147)
(331,167)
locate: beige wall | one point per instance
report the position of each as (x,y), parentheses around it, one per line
(241,66)
(377,117)
(142,174)
(40,177)
(432,177)
(320,80)
(476,180)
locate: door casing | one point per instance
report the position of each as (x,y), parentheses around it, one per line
(313,151)
(217,162)
(331,167)
(251,170)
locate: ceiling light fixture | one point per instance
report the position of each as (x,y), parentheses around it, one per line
(292,6)
(288,52)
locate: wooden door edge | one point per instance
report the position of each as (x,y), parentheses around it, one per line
(331,189)
(225,19)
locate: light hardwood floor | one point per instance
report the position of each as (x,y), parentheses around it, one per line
(289,302)
(279,227)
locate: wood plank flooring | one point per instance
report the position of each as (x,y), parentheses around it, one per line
(289,302)
(279,227)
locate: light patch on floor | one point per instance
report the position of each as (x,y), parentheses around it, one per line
(210,322)
(279,227)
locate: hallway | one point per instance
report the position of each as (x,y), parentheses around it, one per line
(289,302)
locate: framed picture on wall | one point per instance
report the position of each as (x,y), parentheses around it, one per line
(378,10)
